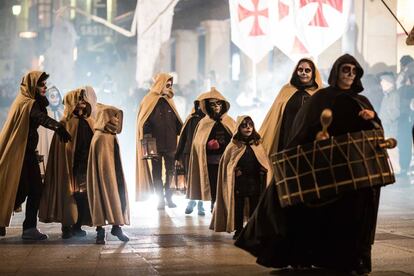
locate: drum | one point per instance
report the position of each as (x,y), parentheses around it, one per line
(326,168)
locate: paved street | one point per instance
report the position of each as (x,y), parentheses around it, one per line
(172,243)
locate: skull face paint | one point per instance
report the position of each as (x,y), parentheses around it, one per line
(346,77)
(53,96)
(215,105)
(168,90)
(304,72)
(246,127)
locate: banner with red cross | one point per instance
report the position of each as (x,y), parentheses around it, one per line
(297,27)
(251,27)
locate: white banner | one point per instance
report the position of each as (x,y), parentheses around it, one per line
(250,27)
(297,27)
(154,21)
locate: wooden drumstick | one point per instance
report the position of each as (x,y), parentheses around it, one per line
(389,143)
(326,120)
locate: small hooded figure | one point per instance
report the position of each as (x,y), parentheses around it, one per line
(157,118)
(107,190)
(242,175)
(64,197)
(182,154)
(19,169)
(212,135)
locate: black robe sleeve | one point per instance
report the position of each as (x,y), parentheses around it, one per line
(40,117)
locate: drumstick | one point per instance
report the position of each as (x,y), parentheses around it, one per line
(326,120)
(389,143)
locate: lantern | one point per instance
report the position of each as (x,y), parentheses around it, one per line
(149,147)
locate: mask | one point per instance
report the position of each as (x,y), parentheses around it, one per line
(167,91)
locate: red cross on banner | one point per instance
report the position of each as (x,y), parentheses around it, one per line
(283,10)
(319,19)
(250,27)
(245,13)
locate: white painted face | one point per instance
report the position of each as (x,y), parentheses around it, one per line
(304,72)
(346,77)
(167,90)
(246,128)
(53,97)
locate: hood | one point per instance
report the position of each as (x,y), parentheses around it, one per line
(160,81)
(237,137)
(333,76)
(316,77)
(109,119)
(29,82)
(212,94)
(90,97)
(71,100)
(197,104)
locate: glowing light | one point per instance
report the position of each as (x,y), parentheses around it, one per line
(28,34)
(16,9)
(41,61)
(75,54)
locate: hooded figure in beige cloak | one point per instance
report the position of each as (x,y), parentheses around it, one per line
(64,197)
(242,177)
(19,167)
(212,135)
(305,81)
(107,190)
(157,118)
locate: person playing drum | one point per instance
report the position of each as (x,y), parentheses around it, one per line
(336,233)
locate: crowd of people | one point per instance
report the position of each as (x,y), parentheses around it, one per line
(225,161)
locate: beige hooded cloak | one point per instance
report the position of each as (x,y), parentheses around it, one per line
(13,140)
(223,214)
(198,181)
(107,190)
(144,185)
(270,128)
(57,203)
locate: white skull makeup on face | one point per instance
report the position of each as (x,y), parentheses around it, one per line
(167,91)
(346,77)
(53,96)
(304,72)
(246,127)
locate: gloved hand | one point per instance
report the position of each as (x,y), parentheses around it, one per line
(63,134)
(213,144)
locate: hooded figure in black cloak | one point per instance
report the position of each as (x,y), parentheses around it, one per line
(337,234)
(182,154)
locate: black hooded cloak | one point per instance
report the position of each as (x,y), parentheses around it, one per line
(337,234)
